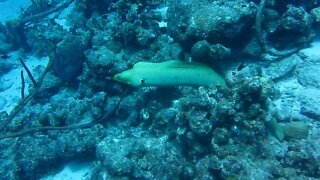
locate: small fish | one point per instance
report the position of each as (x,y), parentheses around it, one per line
(4,56)
(241,66)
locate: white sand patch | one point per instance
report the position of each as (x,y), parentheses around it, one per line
(313,51)
(10,83)
(11,9)
(292,92)
(63,19)
(72,171)
(288,103)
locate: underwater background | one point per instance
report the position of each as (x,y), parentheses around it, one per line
(159,89)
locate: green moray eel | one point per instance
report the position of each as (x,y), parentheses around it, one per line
(170,73)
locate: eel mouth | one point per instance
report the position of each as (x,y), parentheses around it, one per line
(117,77)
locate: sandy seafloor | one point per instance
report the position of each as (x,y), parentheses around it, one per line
(10,85)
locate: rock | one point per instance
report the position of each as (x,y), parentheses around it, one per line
(69,56)
(144,37)
(309,76)
(146,158)
(220,136)
(113,155)
(292,30)
(200,49)
(289,172)
(100,61)
(283,68)
(200,122)
(310,103)
(311,54)
(215,22)
(219,52)
(316,14)
(296,130)
(203,51)
(296,19)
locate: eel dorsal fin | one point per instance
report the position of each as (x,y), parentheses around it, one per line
(168,64)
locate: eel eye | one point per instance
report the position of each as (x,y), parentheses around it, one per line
(142,81)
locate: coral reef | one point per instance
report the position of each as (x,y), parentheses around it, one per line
(263,124)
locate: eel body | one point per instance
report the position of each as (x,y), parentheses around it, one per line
(170,73)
